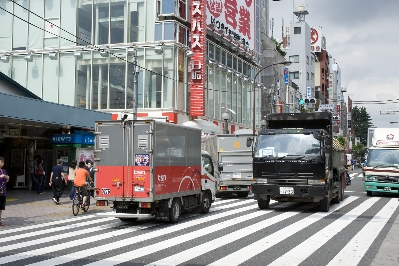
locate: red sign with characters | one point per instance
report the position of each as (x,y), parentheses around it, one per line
(197,64)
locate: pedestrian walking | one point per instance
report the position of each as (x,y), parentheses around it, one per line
(39,176)
(71,178)
(4,178)
(57,180)
(353,164)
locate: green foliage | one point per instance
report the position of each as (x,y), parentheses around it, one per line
(278,47)
(361,121)
(341,140)
(358,150)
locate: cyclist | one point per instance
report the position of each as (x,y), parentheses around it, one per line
(80,181)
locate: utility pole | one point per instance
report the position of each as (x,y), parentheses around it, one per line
(136,70)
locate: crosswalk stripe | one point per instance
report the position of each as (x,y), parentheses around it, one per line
(353,252)
(259,246)
(181,239)
(53,229)
(218,242)
(37,226)
(121,243)
(296,255)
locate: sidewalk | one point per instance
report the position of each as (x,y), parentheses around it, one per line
(24,207)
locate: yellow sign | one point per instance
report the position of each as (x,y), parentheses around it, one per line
(237,145)
(115,179)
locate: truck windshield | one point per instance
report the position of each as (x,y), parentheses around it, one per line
(286,145)
(383,158)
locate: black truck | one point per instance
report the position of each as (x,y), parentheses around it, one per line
(297,159)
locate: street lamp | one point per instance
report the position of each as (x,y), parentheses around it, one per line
(226,118)
(287,63)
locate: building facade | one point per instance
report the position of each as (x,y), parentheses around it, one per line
(80,53)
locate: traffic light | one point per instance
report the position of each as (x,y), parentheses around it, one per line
(311,100)
(301,101)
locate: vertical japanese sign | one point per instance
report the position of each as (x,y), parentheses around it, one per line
(197,64)
(331,87)
(315,40)
(235,18)
(286,75)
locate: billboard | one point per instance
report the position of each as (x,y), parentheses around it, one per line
(197,63)
(315,40)
(233,17)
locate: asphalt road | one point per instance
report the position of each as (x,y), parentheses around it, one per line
(361,230)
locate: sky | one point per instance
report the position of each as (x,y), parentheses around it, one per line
(363,37)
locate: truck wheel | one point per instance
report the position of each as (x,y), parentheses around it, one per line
(130,220)
(338,198)
(369,193)
(242,194)
(206,203)
(325,204)
(263,204)
(175,211)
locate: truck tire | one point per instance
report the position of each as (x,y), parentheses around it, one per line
(369,193)
(338,198)
(130,220)
(206,202)
(242,194)
(325,204)
(175,211)
(263,204)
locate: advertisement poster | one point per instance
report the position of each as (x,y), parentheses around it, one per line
(84,154)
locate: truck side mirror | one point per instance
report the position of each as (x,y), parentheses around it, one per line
(317,135)
(327,149)
(220,167)
(249,141)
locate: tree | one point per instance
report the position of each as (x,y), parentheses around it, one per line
(358,150)
(341,140)
(361,121)
(278,47)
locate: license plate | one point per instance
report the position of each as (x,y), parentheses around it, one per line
(387,188)
(236,188)
(138,189)
(287,190)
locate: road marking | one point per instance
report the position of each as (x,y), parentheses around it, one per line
(265,243)
(196,251)
(199,233)
(354,251)
(298,254)
(125,242)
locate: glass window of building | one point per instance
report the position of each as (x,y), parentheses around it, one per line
(66,79)
(211,52)
(50,79)
(239,65)
(130,79)
(168,7)
(223,61)
(83,81)
(68,11)
(183,9)
(117,24)
(117,80)
(307,60)
(99,96)
(294,75)
(217,91)
(217,54)
(6,27)
(19,69)
(153,79)
(211,91)
(169,31)
(182,82)
(235,67)
(158,32)
(294,58)
(20,27)
(136,22)
(239,100)
(101,22)
(297,30)
(84,18)
(307,75)
(168,77)
(35,75)
(229,60)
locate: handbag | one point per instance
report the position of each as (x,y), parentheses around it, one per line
(38,172)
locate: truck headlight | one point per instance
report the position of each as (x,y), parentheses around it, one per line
(370,178)
(316,182)
(261,180)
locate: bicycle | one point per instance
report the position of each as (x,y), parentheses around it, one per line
(77,201)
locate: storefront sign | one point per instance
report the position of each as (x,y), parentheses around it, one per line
(233,17)
(71,139)
(197,64)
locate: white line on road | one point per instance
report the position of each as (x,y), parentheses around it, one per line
(121,243)
(265,243)
(298,254)
(354,251)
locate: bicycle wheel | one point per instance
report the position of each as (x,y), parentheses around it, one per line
(87,204)
(75,205)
